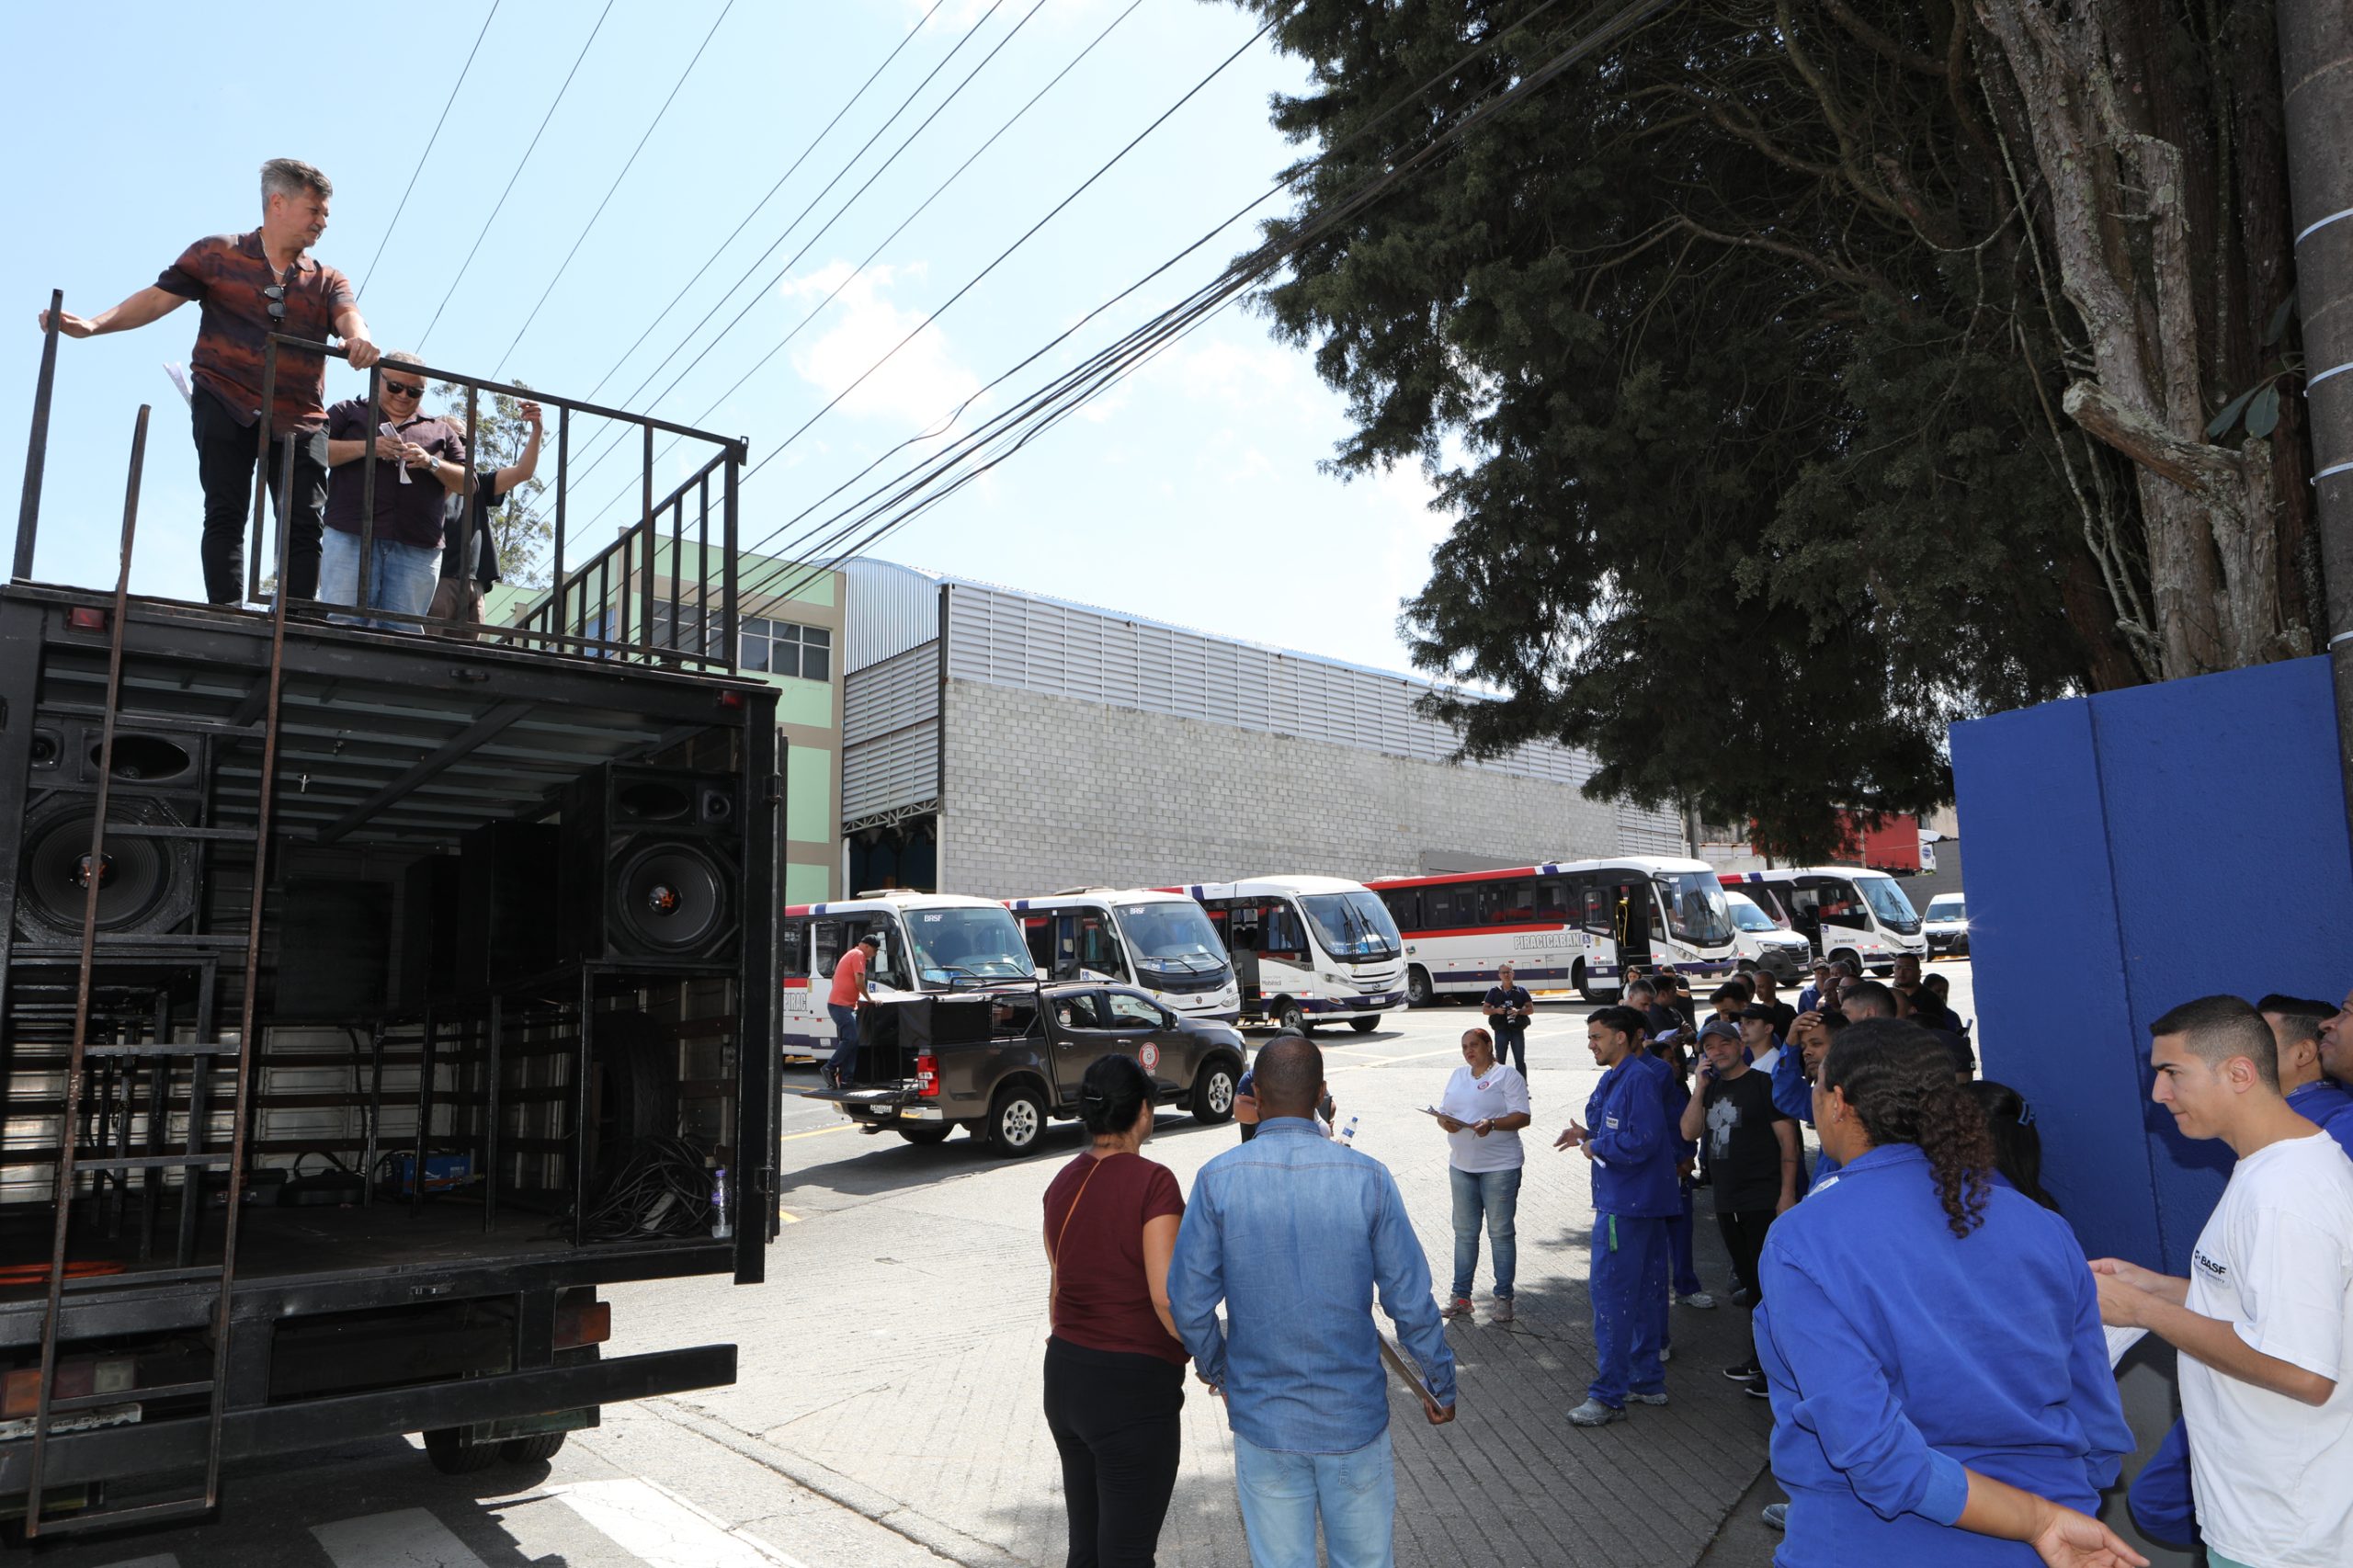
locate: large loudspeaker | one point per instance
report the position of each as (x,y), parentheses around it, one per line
(507,921)
(652,867)
(146,886)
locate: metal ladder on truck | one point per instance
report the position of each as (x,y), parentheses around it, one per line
(204,1058)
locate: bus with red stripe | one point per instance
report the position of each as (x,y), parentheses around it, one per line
(1581,927)
(930,942)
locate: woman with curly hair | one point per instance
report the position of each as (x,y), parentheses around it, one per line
(1941,1386)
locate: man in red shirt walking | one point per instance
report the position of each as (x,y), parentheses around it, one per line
(841,1004)
(251,285)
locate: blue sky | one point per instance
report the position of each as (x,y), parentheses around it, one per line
(1192,494)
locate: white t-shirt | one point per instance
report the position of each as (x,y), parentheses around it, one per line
(2272,1476)
(1467,1099)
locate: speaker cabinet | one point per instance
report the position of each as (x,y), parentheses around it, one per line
(652,867)
(146,886)
(334,950)
(507,914)
(67,750)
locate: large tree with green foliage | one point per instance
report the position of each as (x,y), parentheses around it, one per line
(500,436)
(1762,376)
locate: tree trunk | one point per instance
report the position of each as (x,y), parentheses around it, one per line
(2118,214)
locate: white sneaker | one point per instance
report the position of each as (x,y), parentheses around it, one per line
(1698,1299)
(1665,1353)
(1593,1413)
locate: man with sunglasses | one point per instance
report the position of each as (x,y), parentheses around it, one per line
(249,286)
(405,560)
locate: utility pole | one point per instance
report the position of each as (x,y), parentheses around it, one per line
(2316,72)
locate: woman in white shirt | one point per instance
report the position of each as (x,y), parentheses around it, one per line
(1484,1107)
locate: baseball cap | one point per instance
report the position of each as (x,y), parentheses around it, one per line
(1758,1010)
(1719,1028)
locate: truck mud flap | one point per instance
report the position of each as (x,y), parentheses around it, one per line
(145,1447)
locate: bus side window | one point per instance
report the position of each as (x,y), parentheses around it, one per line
(826,938)
(1443,904)
(1099,949)
(1038,934)
(793,949)
(1285,936)
(1597,912)
(1515,903)
(1551,903)
(890,966)
(1401,904)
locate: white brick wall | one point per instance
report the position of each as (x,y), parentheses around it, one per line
(1046,792)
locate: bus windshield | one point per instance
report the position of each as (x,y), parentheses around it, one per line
(1887,902)
(1352,926)
(964,944)
(1172,938)
(1694,908)
(1746,915)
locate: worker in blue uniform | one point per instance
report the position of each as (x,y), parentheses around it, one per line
(2310,1094)
(1626,1136)
(1939,1377)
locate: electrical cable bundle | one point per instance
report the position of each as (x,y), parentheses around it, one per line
(661,1190)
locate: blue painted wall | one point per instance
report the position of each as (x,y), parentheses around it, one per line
(2128,852)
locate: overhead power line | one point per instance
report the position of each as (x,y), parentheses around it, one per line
(430,140)
(613,440)
(642,141)
(503,195)
(852,529)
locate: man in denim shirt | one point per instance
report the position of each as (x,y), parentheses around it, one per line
(1294,1232)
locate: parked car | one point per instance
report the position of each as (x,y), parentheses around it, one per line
(1946,924)
(1004,1061)
(1761,944)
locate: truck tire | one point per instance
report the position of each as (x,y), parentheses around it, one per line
(926,1136)
(1214,1091)
(455,1450)
(1419,993)
(1291,1016)
(1365,1026)
(537,1449)
(1016,1121)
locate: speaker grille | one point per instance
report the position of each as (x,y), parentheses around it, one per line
(669,896)
(145,884)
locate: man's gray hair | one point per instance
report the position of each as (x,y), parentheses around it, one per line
(401,356)
(290,178)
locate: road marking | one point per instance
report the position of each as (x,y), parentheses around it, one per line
(821,1131)
(662,1530)
(400,1540)
(788,1219)
(1391,1061)
(162,1559)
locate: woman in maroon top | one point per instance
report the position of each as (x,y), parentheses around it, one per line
(1115,1370)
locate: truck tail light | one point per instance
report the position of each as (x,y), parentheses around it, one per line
(927,1075)
(582,1321)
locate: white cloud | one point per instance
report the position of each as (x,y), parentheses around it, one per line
(919,384)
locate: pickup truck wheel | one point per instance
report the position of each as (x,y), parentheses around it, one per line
(1419,993)
(1213,1093)
(455,1450)
(1293,1016)
(537,1449)
(925,1135)
(1017,1121)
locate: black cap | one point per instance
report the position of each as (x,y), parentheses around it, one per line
(1758,1010)
(869,940)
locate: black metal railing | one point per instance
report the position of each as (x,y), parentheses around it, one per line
(637,599)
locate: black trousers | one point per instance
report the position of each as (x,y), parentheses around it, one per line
(225,466)
(1113,1415)
(1744,1233)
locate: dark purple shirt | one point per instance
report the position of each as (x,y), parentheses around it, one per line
(406,514)
(226,275)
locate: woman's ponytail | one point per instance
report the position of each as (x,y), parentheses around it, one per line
(1899,1080)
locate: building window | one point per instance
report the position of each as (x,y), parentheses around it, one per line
(783,648)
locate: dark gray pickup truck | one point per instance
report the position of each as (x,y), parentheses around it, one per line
(1004,1061)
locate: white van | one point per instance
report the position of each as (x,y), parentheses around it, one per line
(1763,944)
(1159,942)
(1844,912)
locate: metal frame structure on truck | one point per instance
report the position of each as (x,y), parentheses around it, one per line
(157,1058)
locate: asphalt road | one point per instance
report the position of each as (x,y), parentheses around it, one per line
(887,1409)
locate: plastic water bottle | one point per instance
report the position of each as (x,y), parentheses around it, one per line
(722,1225)
(1348,1133)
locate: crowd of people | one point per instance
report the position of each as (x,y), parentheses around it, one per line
(430,506)
(1936,1350)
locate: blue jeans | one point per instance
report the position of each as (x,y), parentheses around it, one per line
(1495,1194)
(1282,1493)
(844,1055)
(401,578)
(1628,1281)
(1678,1242)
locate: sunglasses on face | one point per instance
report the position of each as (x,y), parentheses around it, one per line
(402,389)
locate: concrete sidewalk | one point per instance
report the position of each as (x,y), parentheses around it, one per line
(893,1361)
